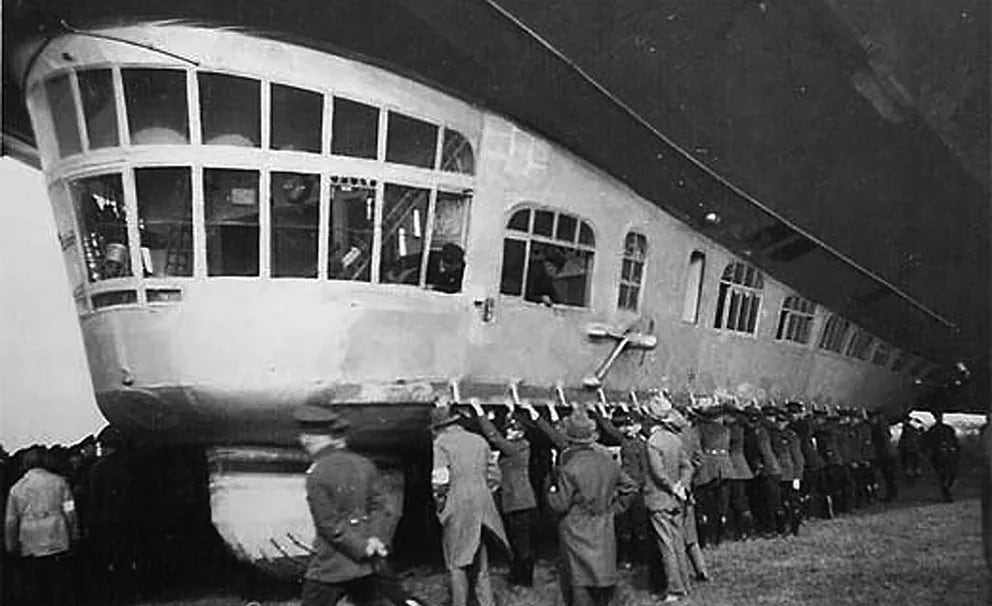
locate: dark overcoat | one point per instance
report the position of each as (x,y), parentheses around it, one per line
(739,465)
(515,490)
(468,507)
(589,489)
(348,507)
(715,440)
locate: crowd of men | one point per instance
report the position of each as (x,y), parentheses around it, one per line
(627,485)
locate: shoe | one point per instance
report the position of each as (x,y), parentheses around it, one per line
(703,578)
(668,599)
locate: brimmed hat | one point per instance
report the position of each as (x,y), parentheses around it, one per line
(676,420)
(317,419)
(579,428)
(658,406)
(442,416)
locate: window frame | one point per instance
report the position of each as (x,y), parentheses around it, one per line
(730,287)
(622,282)
(805,316)
(828,334)
(529,237)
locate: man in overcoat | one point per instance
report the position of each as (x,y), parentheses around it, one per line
(516,494)
(349,509)
(945,452)
(461,473)
(589,489)
(665,494)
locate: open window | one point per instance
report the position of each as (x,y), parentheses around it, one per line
(351,230)
(739,300)
(834,333)
(102,217)
(860,345)
(547,257)
(693,287)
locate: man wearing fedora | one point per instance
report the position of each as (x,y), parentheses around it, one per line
(461,476)
(588,490)
(665,494)
(349,510)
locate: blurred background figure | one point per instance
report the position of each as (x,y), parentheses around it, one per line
(909,449)
(941,442)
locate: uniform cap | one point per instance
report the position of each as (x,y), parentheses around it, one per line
(317,419)
(442,416)
(579,428)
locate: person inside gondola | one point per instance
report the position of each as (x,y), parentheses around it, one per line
(544,267)
(445,268)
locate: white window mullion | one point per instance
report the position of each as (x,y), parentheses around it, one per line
(265,109)
(264,224)
(119,99)
(199,224)
(323,225)
(133,233)
(380,194)
(77,102)
(428,235)
(193,108)
(325,128)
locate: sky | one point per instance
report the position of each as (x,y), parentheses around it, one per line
(45,391)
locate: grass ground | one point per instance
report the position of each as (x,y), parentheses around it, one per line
(916,552)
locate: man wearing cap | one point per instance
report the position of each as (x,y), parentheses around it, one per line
(517,500)
(811,492)
(885,456)
(460,478)
(909,449)
(945,453)
(41,528)
(589,488)
(741,473)
(665,494)
(825,431)
(347,504)
(113,525)
(711,481)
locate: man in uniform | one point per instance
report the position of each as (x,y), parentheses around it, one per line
(41,528)
(909,449)
(741,473)
(945,452)
(665,494)
(589,488)
(825,431)
(711,484)
(517,500)
(812,494)
(344,493)
(460,478)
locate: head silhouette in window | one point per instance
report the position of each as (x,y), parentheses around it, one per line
(445,268)
(545,265)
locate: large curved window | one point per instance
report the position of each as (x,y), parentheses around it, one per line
(404,227)
(297,119)
(834,333)
(96,91)
(157,112)
(231,215)
(230,110)
(795,321)
(165,221)
(547,257)
(635,247)
(859,345)
(63,110)
(102,219)
(740,298)
(295,212)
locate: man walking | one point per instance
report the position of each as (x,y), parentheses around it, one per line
(349,512)
(942,444)
(589,489)
(461,478)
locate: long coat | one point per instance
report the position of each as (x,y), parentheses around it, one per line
(348,507)
(715,440)
(589,490)
(516,492)
(668,464)
(468,505)
(740,470)
(804,430)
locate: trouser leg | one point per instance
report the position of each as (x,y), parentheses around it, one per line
(743,520)
(480,580)
(459,586)
(582,596)
(697,561)
(773,504)
(721,510)
(518,530)
(668,531)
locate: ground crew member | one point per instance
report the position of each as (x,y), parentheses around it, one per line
(711,484)
(461,479)
(112,531)
(812,491)
(589,488)
(885,457)
(690,534)
(344,494)
(785,443)
(516,496)
(743,520)
(825,431)
(945,453)
(909,449)
(766,496)
(665,494)
(41,527)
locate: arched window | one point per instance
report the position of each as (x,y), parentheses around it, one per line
(859,345)
(834,333)
(547,257)
(693,287)
(882,354)
(635,248)
(740,298)
(456,154)
(795,320)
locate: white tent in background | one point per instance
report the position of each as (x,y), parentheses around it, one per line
(45,390)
